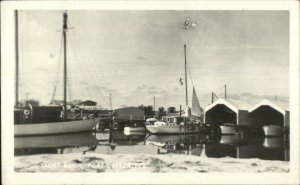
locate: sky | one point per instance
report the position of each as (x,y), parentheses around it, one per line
(138,55)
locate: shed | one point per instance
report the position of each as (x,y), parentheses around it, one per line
(228,111)
(270,112)
(129,113)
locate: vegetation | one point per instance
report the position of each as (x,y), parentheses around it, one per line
(148,110)
(161,112)
(171,110)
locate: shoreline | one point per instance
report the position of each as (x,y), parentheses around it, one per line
(99,163)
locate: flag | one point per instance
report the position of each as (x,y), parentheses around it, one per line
(180,81)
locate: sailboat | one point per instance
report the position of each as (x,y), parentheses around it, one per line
(44,120)
(181,124)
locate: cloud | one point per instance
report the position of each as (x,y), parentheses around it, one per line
(141,58)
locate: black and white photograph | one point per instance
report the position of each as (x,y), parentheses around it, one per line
(185,89)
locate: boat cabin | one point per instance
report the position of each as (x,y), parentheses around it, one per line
(39,114)
(173,119)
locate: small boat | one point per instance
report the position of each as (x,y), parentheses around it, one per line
(134,129)
(228,128)
(174,125)
(273,130)
(41,120)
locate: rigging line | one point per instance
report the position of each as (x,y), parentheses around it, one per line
(92,71)
(98,89)
(93,54)
(57,73)
(190,75)
(89,71)
(85,66)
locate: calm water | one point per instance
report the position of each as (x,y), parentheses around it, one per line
(116,142)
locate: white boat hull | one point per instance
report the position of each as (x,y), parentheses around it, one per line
(273,130)
(165,129)
(227,129)
(55,128)
(134,129)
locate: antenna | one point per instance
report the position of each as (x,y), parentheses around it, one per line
(110,97)
(225,90)
(154,103)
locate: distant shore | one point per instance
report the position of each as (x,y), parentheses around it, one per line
(94,162)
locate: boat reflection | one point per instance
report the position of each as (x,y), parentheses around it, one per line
(248,147)
(179,144)
(118,142)
(54,144)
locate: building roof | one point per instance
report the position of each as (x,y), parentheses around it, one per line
(250,104)
(233,104)
(129,113)
(279,105)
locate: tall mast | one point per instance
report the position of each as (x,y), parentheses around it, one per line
(65,28)
(17,58)
(185,72)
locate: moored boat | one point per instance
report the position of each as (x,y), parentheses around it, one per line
(134,129)
(43,120)
(181,124)
(228,128)
(174,125)
(55,127)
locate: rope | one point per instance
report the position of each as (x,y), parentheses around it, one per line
(87,68)
(59,59)
(190,75)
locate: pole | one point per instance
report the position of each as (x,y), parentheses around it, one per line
(212,97)
(65,27)
(225,91)
(154,103)
(180,111)
(26,98)
(110,97)
(17,58)
(185,71)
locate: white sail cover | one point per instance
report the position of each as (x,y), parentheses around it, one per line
(187,112)
(197,111)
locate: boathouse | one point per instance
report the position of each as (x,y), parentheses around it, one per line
(248,112)
(129,113)
(228,111)
(270,112)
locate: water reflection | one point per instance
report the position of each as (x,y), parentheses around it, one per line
(179,144)
(249,147)
(115,142)
(54,144)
